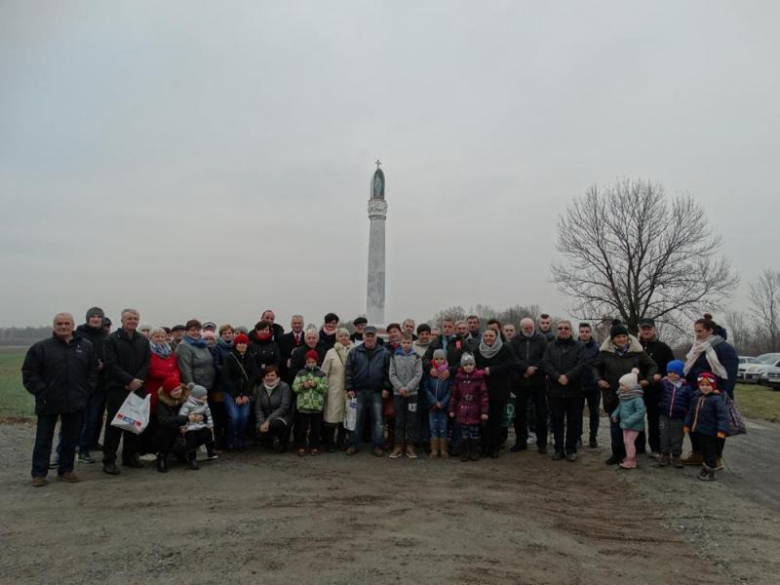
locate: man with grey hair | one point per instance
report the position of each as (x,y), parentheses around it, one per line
(289,342)
(528,385)
(61,372)
(127,358)
(408,326)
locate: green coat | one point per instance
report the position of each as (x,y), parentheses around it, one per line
(310,399)
(631,414)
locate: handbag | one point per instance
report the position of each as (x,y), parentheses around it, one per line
(736,421)
(133,415)
(350,414)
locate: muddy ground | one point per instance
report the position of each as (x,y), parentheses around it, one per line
(265,518)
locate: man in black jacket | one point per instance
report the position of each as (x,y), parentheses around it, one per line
(288,343)
(61,372)
(93,332)
(127,363)
(564,360)
(589,388)
(528,385)
(661,354)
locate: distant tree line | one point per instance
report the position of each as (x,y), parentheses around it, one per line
(23,335)
(757,330)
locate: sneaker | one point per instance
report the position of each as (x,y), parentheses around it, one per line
(707,475)
(558,455)
(193,465)
(397,452)
(571,457)
(68,477)
(410,452)
(593,443)
(211,455)
(38,481)
(111,469)
(148,457)
(719,464)
(85,457)
(664,460)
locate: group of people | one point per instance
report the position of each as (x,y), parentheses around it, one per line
(325,388)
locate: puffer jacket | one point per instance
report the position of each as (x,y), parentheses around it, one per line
(266,353)
(708,415)
(368,370)
(160,369)
(564,357)
(630,413)
(438,390)
(728,358)
(469,398)
(610,366)
(310,399)
(61,375)
(406,372)
(529,352)
(196,364)
(168,409)
(675,398)
(274,406)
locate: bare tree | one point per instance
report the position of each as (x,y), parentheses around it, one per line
(740,334)
(634,252)
(765,299)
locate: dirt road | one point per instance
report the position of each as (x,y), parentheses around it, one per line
(333,519)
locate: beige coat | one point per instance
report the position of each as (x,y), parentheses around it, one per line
(335,399)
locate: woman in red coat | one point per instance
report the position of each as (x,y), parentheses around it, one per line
(162,365)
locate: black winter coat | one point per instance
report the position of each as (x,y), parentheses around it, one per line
(610,366)
(298,359)
(366,370)
(239,373)
(565,358)
(97,337)
(60,375)
(287,346)
(126,358)
(501,367)
(455,349)
(529,352)
(328,341)
(168,410)
(591,353)
(659,352)
(266,353)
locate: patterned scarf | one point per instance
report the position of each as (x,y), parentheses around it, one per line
(161,350)
(196,342)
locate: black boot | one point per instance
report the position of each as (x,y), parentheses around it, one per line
(465,449)
(162,463)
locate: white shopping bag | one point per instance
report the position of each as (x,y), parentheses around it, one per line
(350,414)
(133,416)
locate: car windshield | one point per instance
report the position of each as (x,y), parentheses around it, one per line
(769,358)
(750,360)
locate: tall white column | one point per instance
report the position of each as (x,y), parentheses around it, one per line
(377,213)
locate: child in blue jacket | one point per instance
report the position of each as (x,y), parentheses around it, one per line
(437,394)
(708,421)
(673,408)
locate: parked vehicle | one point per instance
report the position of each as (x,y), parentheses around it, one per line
(771,378)
(767,361)
(746,372)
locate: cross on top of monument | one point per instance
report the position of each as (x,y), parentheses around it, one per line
(378,163)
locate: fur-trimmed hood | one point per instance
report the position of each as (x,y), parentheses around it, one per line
(633,345)
(168,400)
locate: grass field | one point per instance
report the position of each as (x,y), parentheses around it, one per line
(753,401)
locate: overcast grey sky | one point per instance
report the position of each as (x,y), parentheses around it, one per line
(213,159)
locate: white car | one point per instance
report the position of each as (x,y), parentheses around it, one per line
(746,372)
(767,361)
(771,378)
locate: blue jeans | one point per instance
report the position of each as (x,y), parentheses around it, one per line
(93,417)
(369,403)
(437,420)
(238,419)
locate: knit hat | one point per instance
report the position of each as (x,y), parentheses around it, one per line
(631,380)
(617,329)
(710,378)
(95,311)
(676,367)
(312,355)
(171,384)
(241,338)
(198,392)
(439,354)
(467,358)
